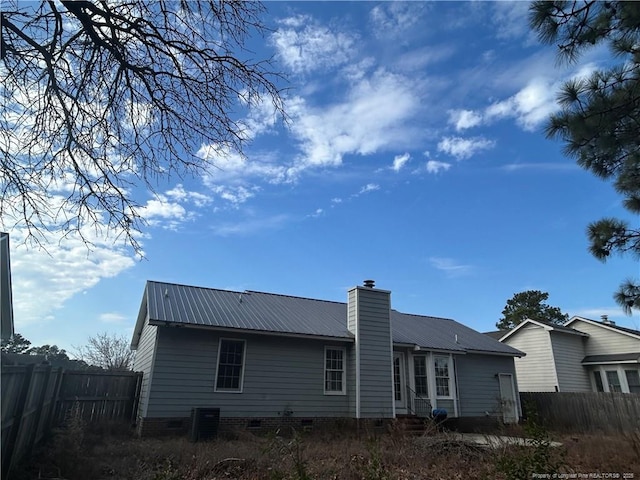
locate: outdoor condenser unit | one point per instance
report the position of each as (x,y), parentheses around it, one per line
(204,423)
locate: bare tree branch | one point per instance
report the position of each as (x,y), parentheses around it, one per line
(102,98)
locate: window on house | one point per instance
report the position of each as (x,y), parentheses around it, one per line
(334,371)
(230,366)
(598,378)
(633,380)
(420,375)
(614,381)
(442,376)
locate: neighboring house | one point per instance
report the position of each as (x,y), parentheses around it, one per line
(266,359)
(580,356)
(6,299)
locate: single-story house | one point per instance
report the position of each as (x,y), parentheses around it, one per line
(582,355)
(267,359)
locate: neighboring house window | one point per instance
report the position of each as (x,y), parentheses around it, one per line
(442,376)
(614,381)
(598,378)
(633,380)
(334,371)
(230,365)
(420,375)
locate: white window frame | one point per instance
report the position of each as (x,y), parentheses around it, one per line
(626,378)
(620,369)
(242,367)
(449,375)
(427,375)
(343,390)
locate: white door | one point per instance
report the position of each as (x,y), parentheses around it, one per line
(399,385)
(508,398)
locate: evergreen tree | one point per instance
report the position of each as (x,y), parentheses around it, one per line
(529,304)
(599,122)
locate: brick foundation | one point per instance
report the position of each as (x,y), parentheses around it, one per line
(157,427)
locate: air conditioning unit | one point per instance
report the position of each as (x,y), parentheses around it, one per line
(204,423)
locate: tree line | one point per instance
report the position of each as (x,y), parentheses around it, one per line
(101,352)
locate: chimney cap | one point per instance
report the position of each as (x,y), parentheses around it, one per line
(369,283)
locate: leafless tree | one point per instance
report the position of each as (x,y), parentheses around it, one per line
(110,352)
(102,97)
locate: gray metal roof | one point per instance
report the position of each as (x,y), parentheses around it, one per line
(281,314)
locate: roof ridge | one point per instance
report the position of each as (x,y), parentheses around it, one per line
(424,316)
(295,296)
(196,286)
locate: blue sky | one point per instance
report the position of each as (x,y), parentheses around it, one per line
(414,155)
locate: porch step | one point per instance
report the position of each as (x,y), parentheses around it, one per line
(413,425)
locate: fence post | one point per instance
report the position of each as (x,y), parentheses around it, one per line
(17,421)
(136,402)
(39,407)
(55,398)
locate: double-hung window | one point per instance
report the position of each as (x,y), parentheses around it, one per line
(614,381)
(230,365)
(442,371)
(633,380)
(598,379)
(420,375)
(334,371)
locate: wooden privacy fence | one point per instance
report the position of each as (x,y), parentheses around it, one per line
(585,412)
(38,397)
(98,396)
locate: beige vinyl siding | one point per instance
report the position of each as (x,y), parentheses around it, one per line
(478,384)
(568,352)
(374,339)
(535,371)
(282,376)
(604,341)
(144,363)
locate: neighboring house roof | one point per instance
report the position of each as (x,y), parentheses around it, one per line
(546,325)
(259,312)
(497,334)
(613,358)
(610,325)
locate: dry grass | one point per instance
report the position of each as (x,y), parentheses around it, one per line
(75,455)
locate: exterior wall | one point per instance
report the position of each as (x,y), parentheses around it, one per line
(568,352)
(603,341)
(143,362)
(371,309)
(535,371)
(182,425)
(479,386)
(283,377)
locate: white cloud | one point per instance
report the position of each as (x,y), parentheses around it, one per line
(43,281)
(565,166)
(178,193)
(113,317)
(251,225)
(531,106)
(463,119)
(450,267)
(370,187)
(399,161)
(462,148)
(303,46)
(434,166)
(234,194)
(376,115)
(392,19)
(510,20)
